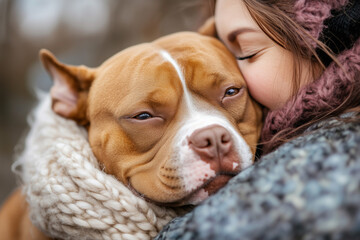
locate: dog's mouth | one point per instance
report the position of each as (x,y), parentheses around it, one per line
(208,188)
(216,183)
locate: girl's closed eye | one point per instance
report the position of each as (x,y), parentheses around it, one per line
(246,57)
(250,45)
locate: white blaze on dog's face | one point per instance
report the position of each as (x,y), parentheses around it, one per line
(171,119)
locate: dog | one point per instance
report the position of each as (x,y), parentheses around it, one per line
(171,119)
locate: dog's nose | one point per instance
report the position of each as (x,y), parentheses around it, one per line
(211,143)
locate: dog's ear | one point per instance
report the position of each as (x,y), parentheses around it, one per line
(71,86)
(208,28)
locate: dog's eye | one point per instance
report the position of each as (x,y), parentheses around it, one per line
(143,116)
(231,92)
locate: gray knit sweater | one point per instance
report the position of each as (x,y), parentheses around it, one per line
(309,188)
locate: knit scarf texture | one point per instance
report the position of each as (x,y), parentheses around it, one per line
(316,99)
(69,196)
(311,14)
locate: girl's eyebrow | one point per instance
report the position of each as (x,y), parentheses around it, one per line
(232,35)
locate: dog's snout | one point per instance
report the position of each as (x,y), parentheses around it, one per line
(211,142)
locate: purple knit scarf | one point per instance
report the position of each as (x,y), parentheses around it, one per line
(311,14)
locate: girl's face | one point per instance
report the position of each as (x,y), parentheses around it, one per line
(266,67)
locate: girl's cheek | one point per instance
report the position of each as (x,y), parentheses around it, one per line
(259,86)
(248,72)
(252,79)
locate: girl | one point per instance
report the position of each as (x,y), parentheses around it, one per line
(301,61)
(283,46)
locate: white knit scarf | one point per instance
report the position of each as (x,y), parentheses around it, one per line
(69,196)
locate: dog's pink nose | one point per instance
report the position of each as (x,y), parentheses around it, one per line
(211,143)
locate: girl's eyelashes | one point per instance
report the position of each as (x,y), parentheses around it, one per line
(246,57)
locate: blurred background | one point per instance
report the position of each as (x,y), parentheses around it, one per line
(77,32)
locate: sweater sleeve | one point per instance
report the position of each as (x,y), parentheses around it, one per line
(309,188)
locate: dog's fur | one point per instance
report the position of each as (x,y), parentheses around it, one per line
(171,119)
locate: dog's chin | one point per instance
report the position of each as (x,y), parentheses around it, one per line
(195,197)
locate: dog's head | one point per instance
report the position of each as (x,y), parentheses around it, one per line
(171,119)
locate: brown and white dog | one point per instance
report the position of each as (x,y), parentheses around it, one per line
(171,119)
